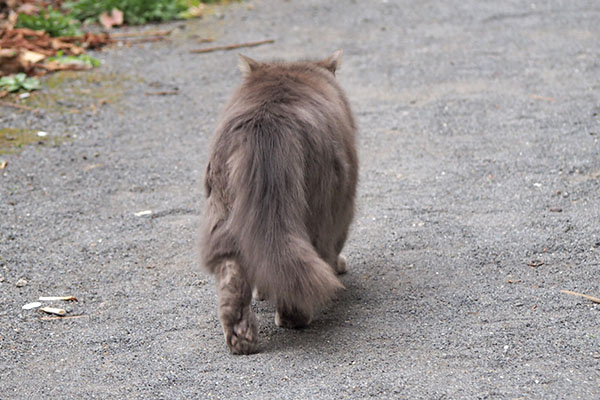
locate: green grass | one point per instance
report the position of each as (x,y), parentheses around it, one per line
(84,60)
(16,82)
(71,92)
(13,139)
(135,12)
(52,21)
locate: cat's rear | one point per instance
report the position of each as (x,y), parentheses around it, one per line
(280,189)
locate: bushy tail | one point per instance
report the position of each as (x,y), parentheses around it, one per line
(268,220)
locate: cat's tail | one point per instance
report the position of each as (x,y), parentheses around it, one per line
(268,219)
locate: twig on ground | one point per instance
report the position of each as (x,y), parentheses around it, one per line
(18,106)
(590,298)
(232,46)
(123,35)
(545,98)
(57,298)
(68,317)
(142,40)
(164,93)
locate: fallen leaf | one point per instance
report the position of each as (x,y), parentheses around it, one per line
(52,310)
(32,57)
(28,8)
(56,66)
(196,12)
(29,306)
(115,18)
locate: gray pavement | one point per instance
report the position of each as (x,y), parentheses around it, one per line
(479,202)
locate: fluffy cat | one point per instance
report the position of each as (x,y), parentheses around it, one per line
(280,187)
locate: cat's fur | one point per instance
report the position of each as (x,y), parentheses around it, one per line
(280,188)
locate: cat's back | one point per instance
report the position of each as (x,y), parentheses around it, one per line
(293,94)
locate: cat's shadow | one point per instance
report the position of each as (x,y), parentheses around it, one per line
(327,325)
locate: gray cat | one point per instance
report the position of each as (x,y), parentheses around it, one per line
(280,186)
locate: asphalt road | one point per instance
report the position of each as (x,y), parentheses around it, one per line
(479,201)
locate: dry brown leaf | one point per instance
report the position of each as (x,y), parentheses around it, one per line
(21,49)
(31,57)
(8,53)
(28,8)
(56,66)
(196,12)
(55,311)
(115,18)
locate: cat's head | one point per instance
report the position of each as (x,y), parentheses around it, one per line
(331,63)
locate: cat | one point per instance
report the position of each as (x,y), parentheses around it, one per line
(280,187)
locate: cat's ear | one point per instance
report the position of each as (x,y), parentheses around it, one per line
(247,65)
(333,62)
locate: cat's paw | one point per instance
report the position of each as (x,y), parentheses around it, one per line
(340,267)
(292,320)
(242,337)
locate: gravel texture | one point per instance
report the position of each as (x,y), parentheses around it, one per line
(479,201)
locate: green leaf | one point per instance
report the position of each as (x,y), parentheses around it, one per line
(134,11)
(51,21)
(20,77)
(31,84)
(14,83)
(82,59)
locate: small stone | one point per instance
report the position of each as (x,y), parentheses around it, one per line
(21,282)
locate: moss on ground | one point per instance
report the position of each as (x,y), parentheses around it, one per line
(12,140)
(77,91)
(66,92)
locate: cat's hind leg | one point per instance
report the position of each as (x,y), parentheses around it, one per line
(341,267)
(292,318)
(235,312)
